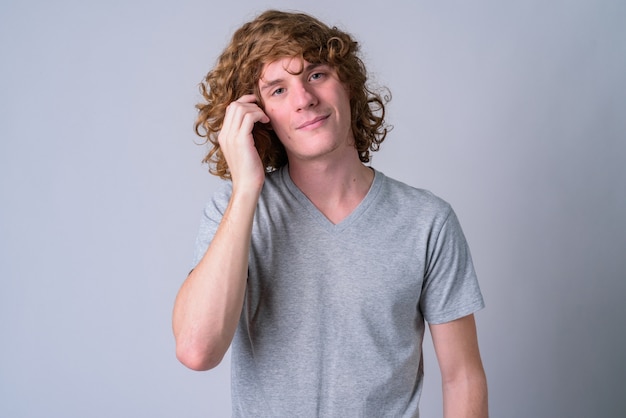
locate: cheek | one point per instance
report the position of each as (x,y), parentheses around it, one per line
(276,119)
(270,112)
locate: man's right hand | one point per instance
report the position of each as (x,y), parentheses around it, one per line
(237,143)
(209,303)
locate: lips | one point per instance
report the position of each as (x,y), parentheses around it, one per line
(312,122)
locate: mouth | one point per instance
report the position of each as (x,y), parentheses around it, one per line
(313,123)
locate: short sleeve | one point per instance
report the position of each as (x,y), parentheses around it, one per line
(450,289)
(210,220)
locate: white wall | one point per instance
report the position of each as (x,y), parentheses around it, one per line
(515,112)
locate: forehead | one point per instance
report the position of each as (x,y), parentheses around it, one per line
(280,66)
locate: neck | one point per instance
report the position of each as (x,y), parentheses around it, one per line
(335,189)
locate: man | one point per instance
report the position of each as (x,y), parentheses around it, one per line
(319,269)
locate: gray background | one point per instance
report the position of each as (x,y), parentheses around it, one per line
(515,112)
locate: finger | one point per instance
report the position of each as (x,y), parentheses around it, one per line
(239,122)
(252,99)
(242,109)
(247,98)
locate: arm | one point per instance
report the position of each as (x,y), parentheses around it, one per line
(463,377)
(209,303)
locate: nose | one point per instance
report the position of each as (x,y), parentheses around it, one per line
(304,97)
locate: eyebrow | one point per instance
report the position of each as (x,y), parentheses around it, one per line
(269,84)
(266,85)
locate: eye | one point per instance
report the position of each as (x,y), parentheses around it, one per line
(278,91)
(317,76)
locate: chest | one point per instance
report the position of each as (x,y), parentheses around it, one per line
(363,268)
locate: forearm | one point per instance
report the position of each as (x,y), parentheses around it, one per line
(466,396)
(462,372)
(208,305)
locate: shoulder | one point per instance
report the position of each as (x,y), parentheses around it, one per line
(218,202)
(216,205)
(274,180)
(413,199)
(224,189)
(277,188)
(220,197)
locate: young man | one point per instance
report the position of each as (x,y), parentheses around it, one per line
(319,269)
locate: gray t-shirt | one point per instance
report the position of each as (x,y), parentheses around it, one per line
(333,319)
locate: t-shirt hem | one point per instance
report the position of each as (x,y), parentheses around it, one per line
(456,314)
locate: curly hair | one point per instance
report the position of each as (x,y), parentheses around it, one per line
(271,36)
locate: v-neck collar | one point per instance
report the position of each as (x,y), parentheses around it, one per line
(319,217)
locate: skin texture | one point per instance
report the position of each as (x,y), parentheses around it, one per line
(463,378)
(208,305)
(321,122)
(310,113)
(308,107)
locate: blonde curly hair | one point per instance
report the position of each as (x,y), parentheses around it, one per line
(271,36)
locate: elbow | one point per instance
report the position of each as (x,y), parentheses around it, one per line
(474,379)
(199,359)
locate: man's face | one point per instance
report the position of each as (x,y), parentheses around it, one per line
(309,111)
